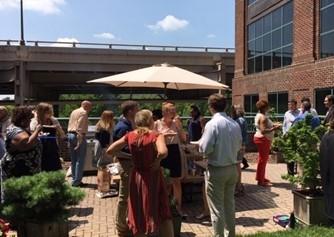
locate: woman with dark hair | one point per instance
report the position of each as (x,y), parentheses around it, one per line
(51,130)
(4,123)
(262,138)
(195,124)
(24,150)
(327,170)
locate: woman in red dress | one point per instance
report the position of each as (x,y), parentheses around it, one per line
(148,203)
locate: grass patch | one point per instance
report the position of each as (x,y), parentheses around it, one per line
(302,232)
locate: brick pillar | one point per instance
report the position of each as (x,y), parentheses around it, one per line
(239,60)
(304,30)
(239,38)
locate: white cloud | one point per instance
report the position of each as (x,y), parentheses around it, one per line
(104,35)
(169,23)
(211,36)
(43,6)
(65,40)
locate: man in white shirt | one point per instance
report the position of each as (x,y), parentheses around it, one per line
(290,115)
(220,143)
(289,118)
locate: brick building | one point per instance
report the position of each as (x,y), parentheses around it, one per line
(284,50)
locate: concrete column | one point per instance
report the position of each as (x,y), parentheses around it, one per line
(20,83)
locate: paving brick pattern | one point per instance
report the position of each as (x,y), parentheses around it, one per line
(95,217)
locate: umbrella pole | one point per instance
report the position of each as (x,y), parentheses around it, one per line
(165,90)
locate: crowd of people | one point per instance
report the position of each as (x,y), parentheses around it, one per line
(145,143)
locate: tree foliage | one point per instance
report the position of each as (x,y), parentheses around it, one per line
(301,145)
(42,197)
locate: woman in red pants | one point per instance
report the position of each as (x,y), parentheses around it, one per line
(262,138)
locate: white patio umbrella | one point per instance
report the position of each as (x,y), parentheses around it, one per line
(161,76)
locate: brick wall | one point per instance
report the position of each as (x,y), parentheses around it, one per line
(307,71)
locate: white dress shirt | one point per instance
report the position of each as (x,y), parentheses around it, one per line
(221,140)
(289,118)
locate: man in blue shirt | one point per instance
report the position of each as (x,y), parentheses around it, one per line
(124,125)
(220,143)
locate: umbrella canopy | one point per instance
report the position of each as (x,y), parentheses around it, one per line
(161,76)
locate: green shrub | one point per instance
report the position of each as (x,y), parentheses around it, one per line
(301,145)
(42,197)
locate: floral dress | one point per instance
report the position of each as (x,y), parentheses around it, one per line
(20,163)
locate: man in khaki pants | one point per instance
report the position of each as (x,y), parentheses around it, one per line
(220,143)
(124,125)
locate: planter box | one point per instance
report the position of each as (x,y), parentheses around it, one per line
(49,229)
(309,210)
(277,157)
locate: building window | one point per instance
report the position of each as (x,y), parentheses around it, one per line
(278,101)
(250,2)
(269,40)
(320,95)
(250,103)
(326,28)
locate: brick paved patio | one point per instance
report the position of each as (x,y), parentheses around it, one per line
(95,217)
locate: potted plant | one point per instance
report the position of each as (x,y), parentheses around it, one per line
(37,204)
(301,145)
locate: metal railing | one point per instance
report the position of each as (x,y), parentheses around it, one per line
(172,48)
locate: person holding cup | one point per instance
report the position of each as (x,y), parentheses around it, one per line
(170,125)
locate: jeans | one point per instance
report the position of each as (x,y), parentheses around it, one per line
(77,158)
(220,185)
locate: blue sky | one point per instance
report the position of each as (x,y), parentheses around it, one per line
(160,22)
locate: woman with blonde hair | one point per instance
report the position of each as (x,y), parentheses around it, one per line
(148,203)
(51,130)
(104,129)
(170,125)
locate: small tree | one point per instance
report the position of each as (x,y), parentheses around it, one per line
(301,145)
(42,197)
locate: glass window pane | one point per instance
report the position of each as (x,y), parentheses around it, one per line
(267,58)
(276,18)
(327,45)
(277,55)
(287,13)
(251,49)
(267,23)
(319,100)
(251,66)
(251,1)
(282,103)
(259,27)
(272,99)
(327,20)
(267,42)
(287,55)
(326,2)
(276,39)
(258,64)
(247,103)
(258,46)
(251,31)
(287,34)
(255,98)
